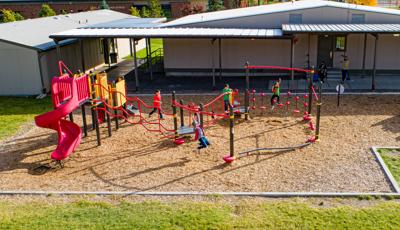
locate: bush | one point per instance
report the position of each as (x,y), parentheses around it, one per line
(134,11)
(104,5)
(8,16)
(215,5)
(18,16)
(144,12)
(46,11)
(155,9)
(188,9)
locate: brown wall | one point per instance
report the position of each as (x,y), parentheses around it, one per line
(31,10)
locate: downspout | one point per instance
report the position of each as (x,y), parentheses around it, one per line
(40,55)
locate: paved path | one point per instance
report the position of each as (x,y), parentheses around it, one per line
(189,85)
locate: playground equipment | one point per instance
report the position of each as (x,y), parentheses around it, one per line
(109,102)
(307,114)
(68,93)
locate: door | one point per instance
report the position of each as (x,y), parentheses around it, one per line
(325,50)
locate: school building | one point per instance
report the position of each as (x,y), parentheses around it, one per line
(292,34)
(28,56)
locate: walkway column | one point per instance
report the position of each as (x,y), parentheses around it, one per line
(364,54)
(374,68)
(147,51)
(213,63)
(130,47)
(308,51)
(136,65)
(291,63)
(82,55)
(220,58)
(150,60)
(58,50)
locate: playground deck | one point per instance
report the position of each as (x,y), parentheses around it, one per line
(136,160)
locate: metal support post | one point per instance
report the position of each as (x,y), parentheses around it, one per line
(319,104)
(181,113)
(231,133)
(201,109)
(175,115)
(136,66)
(84,120)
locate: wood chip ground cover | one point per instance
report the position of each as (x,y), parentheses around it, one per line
(136,160)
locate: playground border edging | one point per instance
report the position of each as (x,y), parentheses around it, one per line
(155,193)
(385,169)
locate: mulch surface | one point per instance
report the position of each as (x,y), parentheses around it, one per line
(137,160)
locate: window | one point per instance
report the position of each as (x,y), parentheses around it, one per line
(295,18)
(358,18)
(340,44)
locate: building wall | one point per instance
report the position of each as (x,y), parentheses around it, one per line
(71,56)
(318,15)
(178,53)
(19,74)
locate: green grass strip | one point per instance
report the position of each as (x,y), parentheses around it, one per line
(14,112)
(155,44)
(196,215)
(393,163)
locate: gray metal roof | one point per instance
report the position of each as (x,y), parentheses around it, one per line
(34,33)
(296,6)
(158,32)
(129,23)
(341,28)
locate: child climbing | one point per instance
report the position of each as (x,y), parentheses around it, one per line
(157,104)
(227,97)
(199,133)
(276,91)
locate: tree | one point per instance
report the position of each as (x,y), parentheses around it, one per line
(364,2)
(18,16)
(46,11)
(144,12)
(215,5)
(134,11)
(8,16)
(104,5)
(155,9)
(188,9)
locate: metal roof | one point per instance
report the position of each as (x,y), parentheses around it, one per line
(129,23)
(34,33)
(158,32)
(341,28)
(191,20)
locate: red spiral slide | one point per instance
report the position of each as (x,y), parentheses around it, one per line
(65,100)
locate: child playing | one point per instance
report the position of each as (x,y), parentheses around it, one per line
(157,104)
(276,91)
(199,133)
(227,97)
(345,68)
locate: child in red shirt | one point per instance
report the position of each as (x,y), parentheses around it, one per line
(157,104)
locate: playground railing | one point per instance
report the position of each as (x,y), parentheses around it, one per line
(61,88)
(82,84)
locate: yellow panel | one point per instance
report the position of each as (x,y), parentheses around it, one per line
(102,87)
(119,93)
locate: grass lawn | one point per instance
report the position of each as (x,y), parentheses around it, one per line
(196,215)
(392,161)
(155,44)
(14,112)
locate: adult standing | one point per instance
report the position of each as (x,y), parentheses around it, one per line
(322,72)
